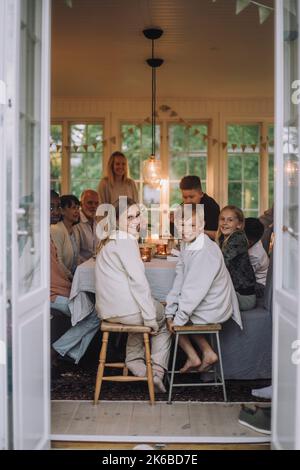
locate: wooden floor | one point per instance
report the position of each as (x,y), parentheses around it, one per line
(138,422)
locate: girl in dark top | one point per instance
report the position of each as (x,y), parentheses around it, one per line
(234,245)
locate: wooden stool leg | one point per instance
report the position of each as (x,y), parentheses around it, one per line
(100,372)
(149,369)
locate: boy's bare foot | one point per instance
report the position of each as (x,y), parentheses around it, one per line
(208,361)
(190,365)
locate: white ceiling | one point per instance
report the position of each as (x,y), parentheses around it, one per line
(98,49)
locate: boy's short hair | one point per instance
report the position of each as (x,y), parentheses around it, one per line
(190,182)
(254,229)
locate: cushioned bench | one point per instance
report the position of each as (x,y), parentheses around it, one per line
(247,353)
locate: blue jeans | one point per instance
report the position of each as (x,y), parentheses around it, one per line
(76,340)
(61,304)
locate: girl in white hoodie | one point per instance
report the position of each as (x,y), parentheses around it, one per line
(122,291)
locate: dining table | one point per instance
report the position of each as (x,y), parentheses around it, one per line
(159,272)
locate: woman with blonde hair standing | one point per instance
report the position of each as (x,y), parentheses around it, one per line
(117,183)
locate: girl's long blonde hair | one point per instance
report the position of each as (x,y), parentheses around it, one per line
(239,215)
(110,167)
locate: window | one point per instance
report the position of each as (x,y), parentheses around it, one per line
(188,155)
(244,168)
(56,157)
(137,146)
(86,154)
(271,164)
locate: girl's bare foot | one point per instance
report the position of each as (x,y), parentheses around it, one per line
(208,361)
(190,364)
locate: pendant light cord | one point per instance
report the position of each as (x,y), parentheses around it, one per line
(153,104)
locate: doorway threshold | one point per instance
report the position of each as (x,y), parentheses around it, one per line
(138,422)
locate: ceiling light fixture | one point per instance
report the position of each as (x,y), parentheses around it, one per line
(152,166)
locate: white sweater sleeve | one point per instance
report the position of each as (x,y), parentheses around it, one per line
(197,282)
(173,295)
(140,289)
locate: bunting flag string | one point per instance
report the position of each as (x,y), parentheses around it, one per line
(264,11)
(85,148)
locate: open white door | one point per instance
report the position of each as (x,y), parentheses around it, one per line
(26,151)
(3,302)
(286,345)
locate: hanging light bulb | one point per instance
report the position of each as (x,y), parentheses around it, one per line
(152,171)
(152,166)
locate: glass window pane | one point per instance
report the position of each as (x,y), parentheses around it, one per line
(86,156)
(56,157)
(271,164)
(250,196)
(290,242)
(29,223)
(234,167)
(244,167)
(235,194)
(175,194)
(251,167)
(188,155)
(137,146)
(178,168)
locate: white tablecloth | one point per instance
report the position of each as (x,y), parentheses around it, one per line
(160,274)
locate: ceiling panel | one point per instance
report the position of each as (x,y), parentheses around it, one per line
(98,49)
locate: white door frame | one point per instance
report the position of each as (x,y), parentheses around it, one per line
(30,310)
(3,290)
(286,311)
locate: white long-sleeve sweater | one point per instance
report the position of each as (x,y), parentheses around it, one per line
(121,285)
(202,291)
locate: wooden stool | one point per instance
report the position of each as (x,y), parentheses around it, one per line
(108,328)
(212,329)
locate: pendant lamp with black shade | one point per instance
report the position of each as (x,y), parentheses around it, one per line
(152,166)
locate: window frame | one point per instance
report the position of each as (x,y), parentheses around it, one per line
(263,123)
(206,122)
(66,141)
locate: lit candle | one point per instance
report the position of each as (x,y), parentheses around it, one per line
(161,249)
(164,208)
(145,252)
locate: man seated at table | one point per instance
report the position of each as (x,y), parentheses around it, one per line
(76,340)
(191,190)
(89,201)
(202,292)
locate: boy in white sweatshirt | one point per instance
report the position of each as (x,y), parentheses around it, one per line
(202,292)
